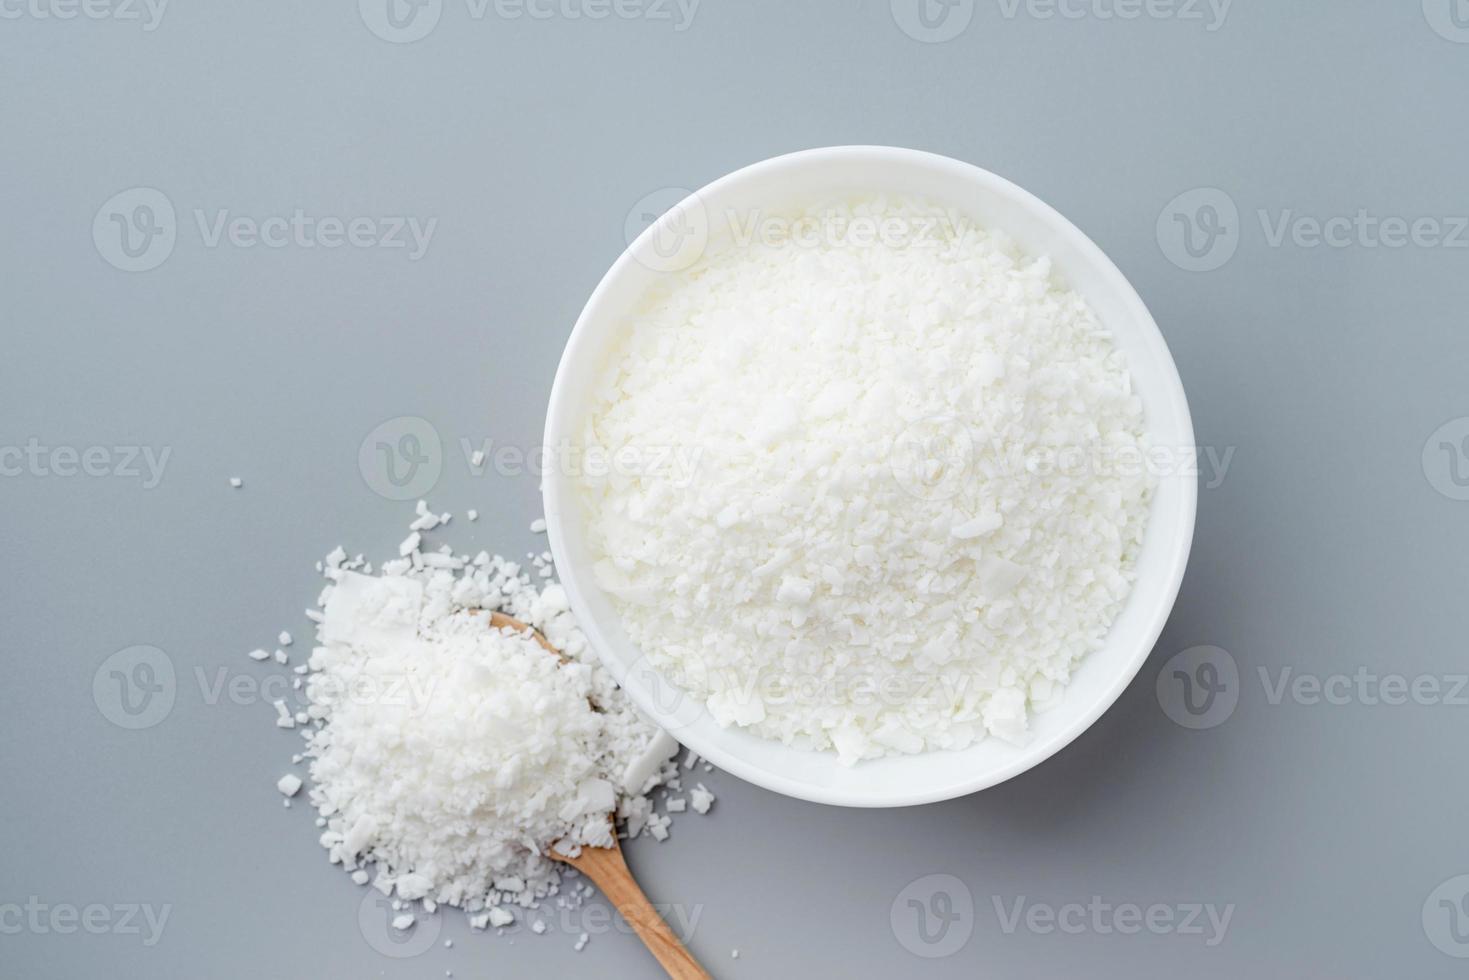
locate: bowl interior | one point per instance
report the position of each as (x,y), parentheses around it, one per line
(810,177)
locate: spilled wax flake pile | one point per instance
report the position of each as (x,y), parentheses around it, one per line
(446,758)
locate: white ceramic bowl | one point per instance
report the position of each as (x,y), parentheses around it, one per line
(814,175)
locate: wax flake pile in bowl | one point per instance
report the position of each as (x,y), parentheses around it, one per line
(446,757)
(919,494)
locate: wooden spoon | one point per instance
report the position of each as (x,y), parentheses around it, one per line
(609,871)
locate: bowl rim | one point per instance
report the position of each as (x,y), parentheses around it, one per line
(1027,756)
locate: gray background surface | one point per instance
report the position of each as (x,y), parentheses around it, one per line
(1335,541)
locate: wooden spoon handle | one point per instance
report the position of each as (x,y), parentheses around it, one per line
(606,867)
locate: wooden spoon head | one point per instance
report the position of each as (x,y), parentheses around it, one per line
(591,857)
(501,621)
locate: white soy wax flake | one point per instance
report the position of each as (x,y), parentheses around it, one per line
(700,799)
(426,520)
(864,470)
